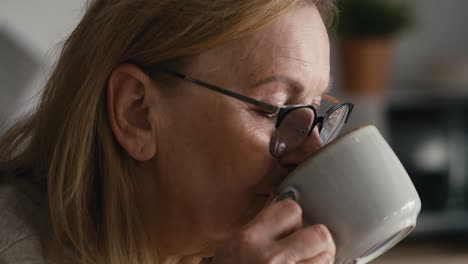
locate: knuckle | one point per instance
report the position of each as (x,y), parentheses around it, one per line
(281,255)
(274,258)
(323,234)
(326,258)
(247,237)
(325,237)
(321,237)
(291,207)
(270,260)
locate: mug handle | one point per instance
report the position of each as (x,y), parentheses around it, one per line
(290,193)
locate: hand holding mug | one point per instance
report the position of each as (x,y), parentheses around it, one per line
(277,235)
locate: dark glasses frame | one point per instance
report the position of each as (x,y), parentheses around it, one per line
(281,111)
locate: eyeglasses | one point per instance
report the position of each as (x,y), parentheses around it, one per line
(294,123)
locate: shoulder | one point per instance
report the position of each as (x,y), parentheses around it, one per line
(22,224)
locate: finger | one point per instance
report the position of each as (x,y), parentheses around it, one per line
(277,220)
(308,243)
(322,258)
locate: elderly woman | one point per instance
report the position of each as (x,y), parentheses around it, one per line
(163,131)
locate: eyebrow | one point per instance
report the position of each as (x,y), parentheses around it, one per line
(295,85)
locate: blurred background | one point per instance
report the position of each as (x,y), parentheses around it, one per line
(30,32)
(404,63)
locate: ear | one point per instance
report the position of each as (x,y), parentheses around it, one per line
(130,109)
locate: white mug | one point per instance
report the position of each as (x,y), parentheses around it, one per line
(358,188)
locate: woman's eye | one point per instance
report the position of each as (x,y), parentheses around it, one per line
(269,115)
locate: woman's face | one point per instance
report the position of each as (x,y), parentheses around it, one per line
(212,161)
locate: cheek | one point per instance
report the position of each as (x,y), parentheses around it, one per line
(224,147)
(241,150)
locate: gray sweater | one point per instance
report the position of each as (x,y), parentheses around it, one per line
(22,223)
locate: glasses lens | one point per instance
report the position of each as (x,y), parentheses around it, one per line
(332,125)
(293,130)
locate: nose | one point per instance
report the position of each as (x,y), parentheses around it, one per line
(310,145)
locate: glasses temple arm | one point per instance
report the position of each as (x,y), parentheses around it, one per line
(267,107)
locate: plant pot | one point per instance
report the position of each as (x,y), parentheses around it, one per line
(364,64)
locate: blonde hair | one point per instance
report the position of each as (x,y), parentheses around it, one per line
(66,145)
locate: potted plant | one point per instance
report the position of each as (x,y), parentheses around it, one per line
(365,29)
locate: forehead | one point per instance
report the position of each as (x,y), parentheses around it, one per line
(296,44)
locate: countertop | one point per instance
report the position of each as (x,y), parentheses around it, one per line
(427,251)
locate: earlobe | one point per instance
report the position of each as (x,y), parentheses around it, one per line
(129,111)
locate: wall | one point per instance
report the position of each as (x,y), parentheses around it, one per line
(440,33)
(37,26)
